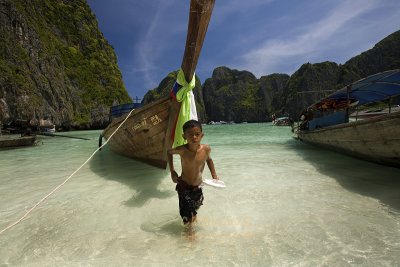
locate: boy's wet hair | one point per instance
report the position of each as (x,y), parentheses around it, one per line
(191,124)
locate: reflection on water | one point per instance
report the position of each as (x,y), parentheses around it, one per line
(143,179)
(286,204)
(362,177)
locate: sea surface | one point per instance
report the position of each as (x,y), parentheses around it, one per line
(286,204)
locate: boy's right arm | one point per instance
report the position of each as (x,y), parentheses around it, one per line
(174,175)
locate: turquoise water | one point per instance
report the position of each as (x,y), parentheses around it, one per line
(286,204)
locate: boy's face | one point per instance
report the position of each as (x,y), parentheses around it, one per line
(193,135)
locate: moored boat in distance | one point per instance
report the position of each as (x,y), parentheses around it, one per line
(375,139)
(145,133)
(282,121)
(14,140)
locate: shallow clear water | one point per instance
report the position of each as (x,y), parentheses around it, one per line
(286,204)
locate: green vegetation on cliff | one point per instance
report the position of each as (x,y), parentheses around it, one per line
(233,95)
(55,63)
(238,95)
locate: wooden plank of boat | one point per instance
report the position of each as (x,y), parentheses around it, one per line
(7,141)
(376,139)
(373,113)
(145,136)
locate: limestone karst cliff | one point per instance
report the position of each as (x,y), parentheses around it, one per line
(56,64)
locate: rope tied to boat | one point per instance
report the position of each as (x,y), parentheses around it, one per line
(66,180)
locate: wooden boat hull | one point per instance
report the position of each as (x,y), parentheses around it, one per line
(146,134)
(16,141)
(369,114)
(376,139)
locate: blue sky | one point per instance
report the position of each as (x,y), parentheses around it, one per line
(261,36)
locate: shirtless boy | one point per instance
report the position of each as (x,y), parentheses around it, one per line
(193,155)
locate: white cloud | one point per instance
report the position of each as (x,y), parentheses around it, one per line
(167,22)
(146,49)
(273,55)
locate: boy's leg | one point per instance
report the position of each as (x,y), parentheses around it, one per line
(184,208)
(189,203)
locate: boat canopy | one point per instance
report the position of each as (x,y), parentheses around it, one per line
(373,88)
(117,111)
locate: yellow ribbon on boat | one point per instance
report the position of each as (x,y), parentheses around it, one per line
(183,96)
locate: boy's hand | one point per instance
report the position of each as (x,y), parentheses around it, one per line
(174,176)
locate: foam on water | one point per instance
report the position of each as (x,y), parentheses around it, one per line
(285,204)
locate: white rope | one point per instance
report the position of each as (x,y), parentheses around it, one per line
(66,180)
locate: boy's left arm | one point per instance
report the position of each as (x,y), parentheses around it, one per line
(210,164)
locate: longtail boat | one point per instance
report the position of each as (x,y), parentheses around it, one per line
(7,141)
(145,133)
(375,139)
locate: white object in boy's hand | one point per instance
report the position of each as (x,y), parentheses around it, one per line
(214,182)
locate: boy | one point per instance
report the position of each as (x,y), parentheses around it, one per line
(193,155)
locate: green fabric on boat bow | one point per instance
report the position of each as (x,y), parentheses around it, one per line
(183,96)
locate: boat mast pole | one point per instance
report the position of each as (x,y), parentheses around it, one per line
(199,18)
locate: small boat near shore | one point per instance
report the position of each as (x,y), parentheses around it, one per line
(15,140)
(282,121)
(375,138)
(145,133)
